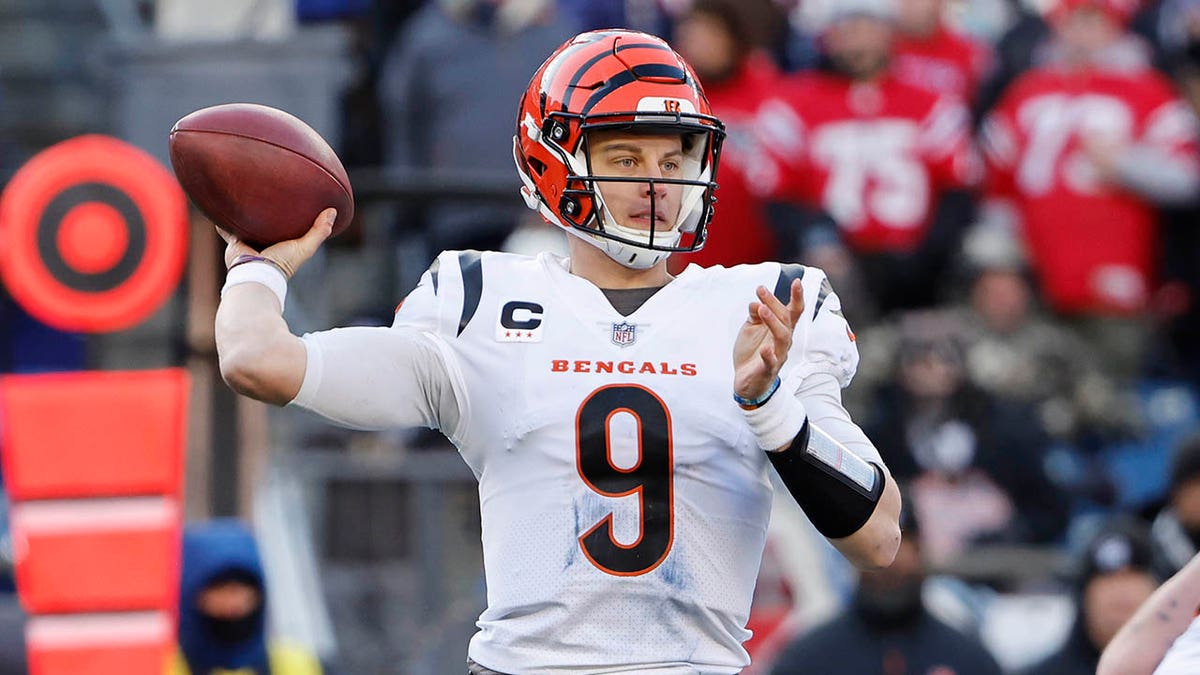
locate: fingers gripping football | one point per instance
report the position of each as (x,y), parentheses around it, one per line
(764,340)
(287,255)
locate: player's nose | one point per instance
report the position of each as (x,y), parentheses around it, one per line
(653,186)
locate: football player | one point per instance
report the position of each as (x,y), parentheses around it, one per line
(620,420)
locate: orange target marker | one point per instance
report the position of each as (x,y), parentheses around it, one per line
(95,235)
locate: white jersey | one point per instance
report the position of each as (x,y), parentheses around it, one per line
(1183,658)
(624,500)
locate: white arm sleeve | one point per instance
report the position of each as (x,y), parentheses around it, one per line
(376,378)
(821,395)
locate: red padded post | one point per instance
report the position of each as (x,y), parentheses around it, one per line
(93,464)
(100,644)
(93,434)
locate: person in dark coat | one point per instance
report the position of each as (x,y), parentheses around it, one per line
(887,629)
(1114,580)
(222,608)
(1175,533)
(974,463)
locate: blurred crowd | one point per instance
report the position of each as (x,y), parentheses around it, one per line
(1004,193)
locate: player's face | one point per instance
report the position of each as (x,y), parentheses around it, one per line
(859,45)
(619,153)
(1110,600)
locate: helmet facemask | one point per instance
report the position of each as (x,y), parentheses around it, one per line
(668,232)
(635,247)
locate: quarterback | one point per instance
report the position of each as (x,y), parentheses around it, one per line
(620,420)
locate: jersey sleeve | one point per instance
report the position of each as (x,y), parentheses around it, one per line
(825,357)
(402,376)
(421,308)
(447,296)
(824,342)
(378,378)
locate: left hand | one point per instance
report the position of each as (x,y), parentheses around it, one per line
(763,342)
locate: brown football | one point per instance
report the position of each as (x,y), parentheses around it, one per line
(259,172)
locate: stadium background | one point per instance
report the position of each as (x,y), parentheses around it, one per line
(371,540)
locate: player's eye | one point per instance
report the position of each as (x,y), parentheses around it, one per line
(670,167)
(626,162)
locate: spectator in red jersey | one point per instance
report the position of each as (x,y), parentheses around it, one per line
(930,55)
(725,42)
(1080,152)
(879,157)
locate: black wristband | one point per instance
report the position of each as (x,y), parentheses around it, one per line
(837,504)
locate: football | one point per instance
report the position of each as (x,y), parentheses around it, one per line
(259,172)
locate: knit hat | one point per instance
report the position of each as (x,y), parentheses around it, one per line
(1122,544)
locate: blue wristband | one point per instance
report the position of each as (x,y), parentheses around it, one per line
(752,403)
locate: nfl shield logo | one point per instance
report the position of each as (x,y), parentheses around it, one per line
(624,334)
